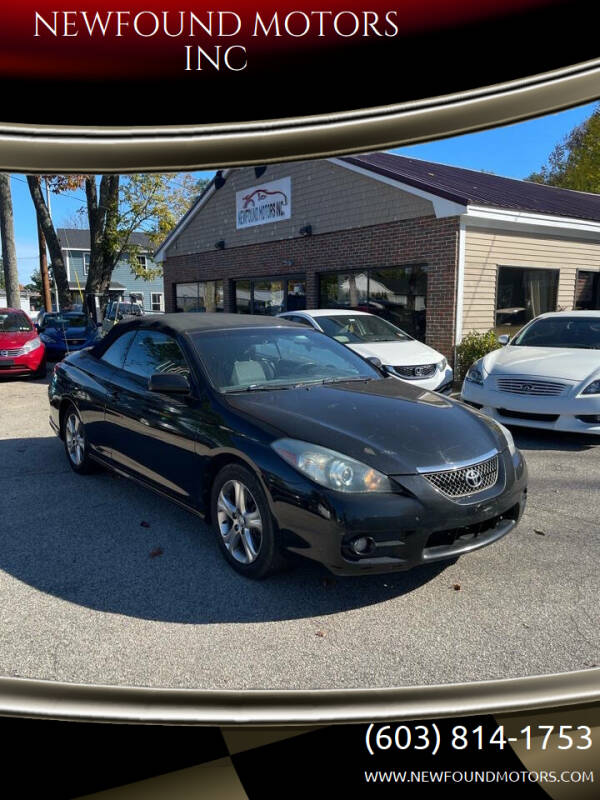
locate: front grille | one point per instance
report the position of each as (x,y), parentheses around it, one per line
(528,415)
(416,372)
(530,387)
(465,481)
(17,351)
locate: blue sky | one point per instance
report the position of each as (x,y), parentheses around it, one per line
(514,150)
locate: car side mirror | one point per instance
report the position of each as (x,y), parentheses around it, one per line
(504,339)
(169,383)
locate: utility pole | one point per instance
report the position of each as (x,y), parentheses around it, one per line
(46,296)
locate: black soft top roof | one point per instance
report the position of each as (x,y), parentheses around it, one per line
(193,322)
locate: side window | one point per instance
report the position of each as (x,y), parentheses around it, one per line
(115,354)
(153,352)
(302,321)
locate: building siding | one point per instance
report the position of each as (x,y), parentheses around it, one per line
(121,274)
(486,250)
(326,196)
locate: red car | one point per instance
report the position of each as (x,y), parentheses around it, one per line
(22,352)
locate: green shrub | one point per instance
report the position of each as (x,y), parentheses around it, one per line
(472,347)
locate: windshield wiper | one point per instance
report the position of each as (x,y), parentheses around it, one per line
(347,380)
(259,387)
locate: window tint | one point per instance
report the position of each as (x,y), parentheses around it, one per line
(115,354)
(153,352)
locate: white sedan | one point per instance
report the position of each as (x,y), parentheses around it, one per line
(372,336)
(547,376)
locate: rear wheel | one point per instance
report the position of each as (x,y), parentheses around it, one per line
(243,523)
(76,444)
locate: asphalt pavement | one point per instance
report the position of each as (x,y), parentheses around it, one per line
(101,581)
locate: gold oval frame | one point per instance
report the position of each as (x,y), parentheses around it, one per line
(39,148)
(43,148)
(68,701)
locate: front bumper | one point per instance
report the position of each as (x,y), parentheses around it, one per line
(403,530)
(22,365)
(440,382)
(55,351)
(568,414)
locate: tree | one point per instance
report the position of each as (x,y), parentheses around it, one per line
(150,203)
(9,253)
(35,282)
(59,270)
(575,162)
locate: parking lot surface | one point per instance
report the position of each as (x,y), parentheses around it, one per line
(102,581)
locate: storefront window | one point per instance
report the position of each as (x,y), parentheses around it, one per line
(522,295)
(344,290)
(587,291)
(199,296)
(270,296)
(398,294)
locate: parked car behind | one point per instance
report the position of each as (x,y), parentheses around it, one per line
(288,442)
(370,335)
(547,376)
(66,332)
(21,350)
(117,312)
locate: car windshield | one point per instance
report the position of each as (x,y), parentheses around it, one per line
(577,332)
(251,359)
(14,322)
(66,321)
(353,328)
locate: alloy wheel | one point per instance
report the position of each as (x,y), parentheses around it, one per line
(75,439)
(240,522)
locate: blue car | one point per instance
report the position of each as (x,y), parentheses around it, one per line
(65,332)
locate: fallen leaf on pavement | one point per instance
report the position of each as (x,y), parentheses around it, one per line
(539,533)
(158,551)
(456,587)
(321,634)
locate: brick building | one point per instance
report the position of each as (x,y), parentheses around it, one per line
(437,250)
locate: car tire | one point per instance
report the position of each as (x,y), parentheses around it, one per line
(76,443)
(243,523)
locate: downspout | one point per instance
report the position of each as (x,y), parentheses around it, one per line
(460,285)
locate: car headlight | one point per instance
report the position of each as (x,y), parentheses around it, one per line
(331,469)
(509,438)
(441,365)
(475,374)
(32,344)
(592,388)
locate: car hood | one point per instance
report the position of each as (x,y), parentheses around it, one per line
(544,362)
(390,425)
(10,340)
(70,333)
(398,354)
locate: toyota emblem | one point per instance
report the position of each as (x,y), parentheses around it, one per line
(3,353)
(527,387)
(473,478)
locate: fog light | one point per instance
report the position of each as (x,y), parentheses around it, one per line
(362,545)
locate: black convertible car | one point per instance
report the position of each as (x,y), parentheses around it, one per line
(288,442)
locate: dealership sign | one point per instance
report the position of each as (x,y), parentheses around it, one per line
(269,202)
